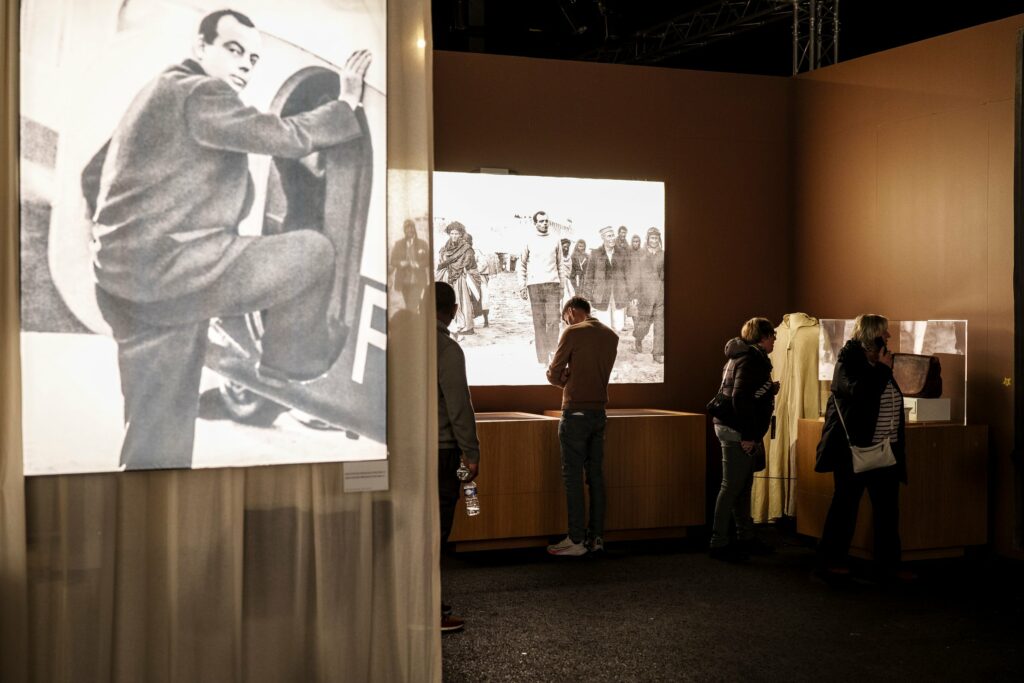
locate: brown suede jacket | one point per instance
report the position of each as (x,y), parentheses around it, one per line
(583,363)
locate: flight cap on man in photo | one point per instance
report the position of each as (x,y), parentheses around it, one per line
(455,225)
(653,231)
(607,230)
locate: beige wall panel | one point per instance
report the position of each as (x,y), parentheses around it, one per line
(721,144)
(919,139)
(932,174)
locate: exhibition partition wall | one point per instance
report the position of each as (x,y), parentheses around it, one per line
(904,187)
(270,573)
(720,143)
(1018,293)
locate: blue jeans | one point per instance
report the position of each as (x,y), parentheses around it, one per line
(734,497)
(581,435)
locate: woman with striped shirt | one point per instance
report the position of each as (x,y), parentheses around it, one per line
(864,408)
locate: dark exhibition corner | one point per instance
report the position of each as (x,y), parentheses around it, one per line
(738,36)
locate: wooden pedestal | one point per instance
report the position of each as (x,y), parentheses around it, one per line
(943,508)
(653,471)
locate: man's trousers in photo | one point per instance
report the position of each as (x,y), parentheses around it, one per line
(161,345)
(545,304)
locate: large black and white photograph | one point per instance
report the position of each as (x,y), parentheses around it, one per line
(516,248)
(203,239)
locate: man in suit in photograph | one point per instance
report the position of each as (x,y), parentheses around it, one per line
(606,280)
(167,193)
(410,266)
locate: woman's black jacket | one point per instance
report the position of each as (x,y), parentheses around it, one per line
(747,370)
(858,385)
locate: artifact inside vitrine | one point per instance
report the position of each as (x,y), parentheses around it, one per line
(929,365)
(917,375)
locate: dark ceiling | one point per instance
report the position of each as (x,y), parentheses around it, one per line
(743,36)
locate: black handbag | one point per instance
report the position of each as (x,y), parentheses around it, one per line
(720,406)
(759,459)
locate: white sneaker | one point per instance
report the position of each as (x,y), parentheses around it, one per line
(567,547)
(595,545)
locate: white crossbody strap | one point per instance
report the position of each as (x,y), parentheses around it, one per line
(892,414)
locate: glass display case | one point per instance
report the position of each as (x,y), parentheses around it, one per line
(946,340)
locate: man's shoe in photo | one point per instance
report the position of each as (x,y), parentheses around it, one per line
(595,545)
(658,358)
(277,377)
(567,547)
(450,624)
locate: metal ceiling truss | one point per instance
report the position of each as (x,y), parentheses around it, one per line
(815,31)
(815,34)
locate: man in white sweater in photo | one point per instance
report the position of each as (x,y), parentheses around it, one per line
(541,278)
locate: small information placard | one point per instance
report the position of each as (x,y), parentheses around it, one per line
(366,476)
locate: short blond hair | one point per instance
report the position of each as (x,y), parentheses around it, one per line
(756,329)
(867,327)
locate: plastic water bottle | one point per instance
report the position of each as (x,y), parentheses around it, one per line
(468,490)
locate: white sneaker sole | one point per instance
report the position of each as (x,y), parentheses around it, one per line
(567,552)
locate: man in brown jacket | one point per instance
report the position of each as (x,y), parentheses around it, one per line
(582,365)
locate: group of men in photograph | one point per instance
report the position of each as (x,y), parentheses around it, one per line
(618,278)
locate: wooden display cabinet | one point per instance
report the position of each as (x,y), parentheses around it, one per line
(522,501)
(943,507)
(653,469)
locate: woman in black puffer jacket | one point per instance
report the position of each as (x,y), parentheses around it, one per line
(747,381)
(871,406)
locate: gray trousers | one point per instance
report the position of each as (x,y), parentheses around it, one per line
(161,345)
(734,497)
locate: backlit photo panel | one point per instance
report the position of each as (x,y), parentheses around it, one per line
(203,244)
(516,248)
